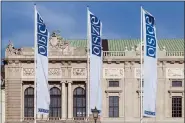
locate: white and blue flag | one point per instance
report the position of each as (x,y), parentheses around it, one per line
(150,65)
(95,44)
(41,46)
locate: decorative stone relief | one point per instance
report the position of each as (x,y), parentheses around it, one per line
(28,72)
(79,72)
(174,72)
(54,72)
(113,73)
(13,69)
(11,50)
(138,73)
(60,46)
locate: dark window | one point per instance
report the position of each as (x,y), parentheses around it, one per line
(142,47)
(113,83)
(113,106)
(105,45)
(29,103)
(176,106)
(142,83)
(176,83)
(79,102)
(55,103)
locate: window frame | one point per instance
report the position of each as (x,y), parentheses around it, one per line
(27,98)
(113,83)
(82,98)
(55,97)
(113,116)
(176,110)
(176,81)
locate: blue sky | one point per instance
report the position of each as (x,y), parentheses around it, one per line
(121,20)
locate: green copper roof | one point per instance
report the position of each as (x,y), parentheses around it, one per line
(119,45)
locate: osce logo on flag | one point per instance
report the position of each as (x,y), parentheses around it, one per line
(42,36)
(150,36)
(95,35)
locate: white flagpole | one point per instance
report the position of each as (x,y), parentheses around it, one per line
(35,43)
(88,64)
(141,77)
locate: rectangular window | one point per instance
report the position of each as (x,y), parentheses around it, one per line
(176,83)
(113,106)
(113,83)
(176,106)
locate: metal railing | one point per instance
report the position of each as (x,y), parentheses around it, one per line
(79,118)
(113,53)
(175,53)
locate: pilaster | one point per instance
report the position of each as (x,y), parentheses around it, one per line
(64,103)
(69,100)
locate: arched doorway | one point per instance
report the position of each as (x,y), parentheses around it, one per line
(29,103)
(55,103)
(79,102)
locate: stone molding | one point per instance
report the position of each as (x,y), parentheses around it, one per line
(30,72)
(175,73)
(78,72)
(113,73)
(137,73)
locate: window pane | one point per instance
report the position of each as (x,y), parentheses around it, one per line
(176,83)
(111,112)
(111,99)
(116,112)
(113,83)
(176,106)
(116,101)
(113,106)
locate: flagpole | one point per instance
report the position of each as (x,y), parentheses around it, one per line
(88,64)
(35,39)
(141,73)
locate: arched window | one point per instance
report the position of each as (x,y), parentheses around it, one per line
(55,103)
(79,102)
(29,103)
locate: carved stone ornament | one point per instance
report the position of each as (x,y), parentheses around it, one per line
(51,72)
(28,72)
(54,71)
(138,73)
(113,73)
(10,50)
(57,42)
(54,41)
(79,72)
(174,72)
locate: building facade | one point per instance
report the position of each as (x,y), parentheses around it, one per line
(68,81)
(2,96)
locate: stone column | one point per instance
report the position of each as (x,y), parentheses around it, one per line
(69,100)
(63,101)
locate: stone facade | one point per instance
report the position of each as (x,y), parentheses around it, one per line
(68,70)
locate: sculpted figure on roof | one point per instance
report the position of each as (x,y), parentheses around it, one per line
(11,50)
(62,46)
